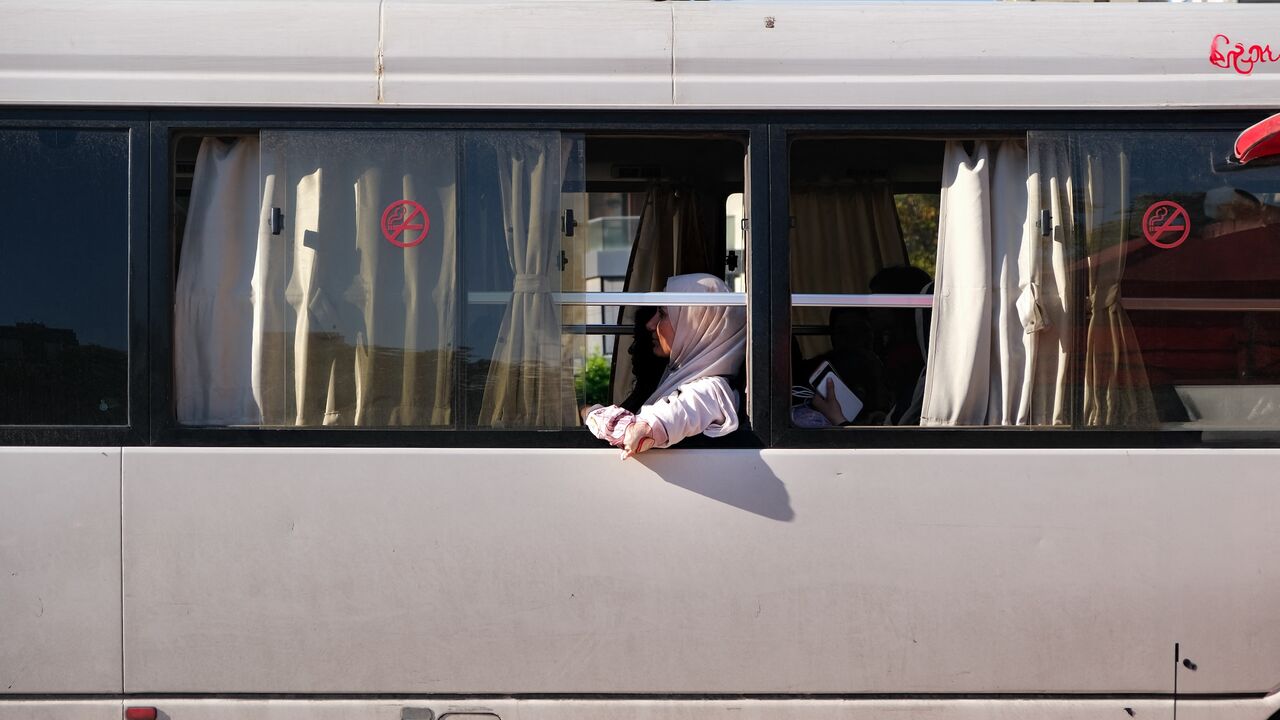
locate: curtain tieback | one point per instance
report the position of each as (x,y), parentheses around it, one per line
(531,284)
(1030,310)
(1110,300)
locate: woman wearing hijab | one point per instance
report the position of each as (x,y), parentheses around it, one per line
(705,346)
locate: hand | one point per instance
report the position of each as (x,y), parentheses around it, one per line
(828,405)
(638,438)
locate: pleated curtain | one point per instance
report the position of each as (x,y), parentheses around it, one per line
(1050,188)
(213,306)
(527,386)
(1001,339)
(1117,392)
(982,347)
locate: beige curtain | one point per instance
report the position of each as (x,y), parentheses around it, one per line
(213,311)
(1051,188)
(669,241)
(345,328)
(1116,390)
(526,386)
(844,233)
(958,370)
(1015,317)
(986,313)
(1001,345)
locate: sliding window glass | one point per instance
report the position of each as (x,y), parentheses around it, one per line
(1175,276)
(64,277)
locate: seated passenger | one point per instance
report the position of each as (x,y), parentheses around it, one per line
(901,341)
(853,358)
(705,346)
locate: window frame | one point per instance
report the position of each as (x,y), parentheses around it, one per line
(766,420)
(135,431)
(167,126)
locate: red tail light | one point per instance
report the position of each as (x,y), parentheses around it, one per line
(140,713)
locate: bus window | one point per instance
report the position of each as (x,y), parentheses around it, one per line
(429,279)
(64,282)
(1123,281)
(1180,275)
(863,238)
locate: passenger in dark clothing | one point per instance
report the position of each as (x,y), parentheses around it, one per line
(853,358)
(877,352)
(898,340)
(645,365)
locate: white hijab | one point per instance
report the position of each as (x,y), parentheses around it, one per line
(710,340)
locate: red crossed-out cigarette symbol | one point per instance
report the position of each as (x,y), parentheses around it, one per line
(1166,224)
(404,217)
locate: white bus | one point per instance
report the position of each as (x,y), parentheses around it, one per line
(298,304)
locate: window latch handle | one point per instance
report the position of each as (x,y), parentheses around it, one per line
(277,221)
(567,223)
(1046,223)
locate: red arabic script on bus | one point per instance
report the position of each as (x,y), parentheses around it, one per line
(1238,56)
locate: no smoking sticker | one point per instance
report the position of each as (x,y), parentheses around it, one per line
(1166,224)
(405,223)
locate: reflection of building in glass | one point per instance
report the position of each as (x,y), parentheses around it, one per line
(612,220)
(48,378)
(32,342)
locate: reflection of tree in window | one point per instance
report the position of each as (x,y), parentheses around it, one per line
(918,219)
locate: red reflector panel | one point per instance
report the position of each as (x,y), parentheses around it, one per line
(140,713)
(1259,141)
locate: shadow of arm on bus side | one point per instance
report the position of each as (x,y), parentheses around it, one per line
(738,478)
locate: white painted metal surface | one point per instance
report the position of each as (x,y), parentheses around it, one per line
(968,55)
(527,54)
(609,54)
(507,709)
(60,709)
(544,571)
(215,52)
(60,570)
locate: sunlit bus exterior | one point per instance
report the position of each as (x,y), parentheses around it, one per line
(300,304)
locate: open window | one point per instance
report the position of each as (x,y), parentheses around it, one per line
(433,279)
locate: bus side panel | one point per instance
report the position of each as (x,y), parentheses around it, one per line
(692,571)
(60,571)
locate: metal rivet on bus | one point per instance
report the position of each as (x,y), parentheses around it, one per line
(769,22)
(1186,663)
(140,713)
